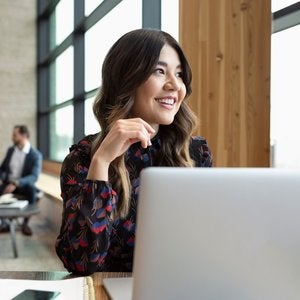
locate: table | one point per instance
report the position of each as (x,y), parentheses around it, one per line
(11,214)
(100,293)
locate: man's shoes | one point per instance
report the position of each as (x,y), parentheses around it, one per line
(4,227)
(26,230)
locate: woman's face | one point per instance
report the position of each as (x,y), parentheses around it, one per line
(158,99)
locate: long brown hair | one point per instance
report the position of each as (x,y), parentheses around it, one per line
(128,64)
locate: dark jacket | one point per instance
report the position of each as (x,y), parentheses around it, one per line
(31,170)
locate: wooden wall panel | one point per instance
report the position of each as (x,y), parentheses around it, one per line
(228,45)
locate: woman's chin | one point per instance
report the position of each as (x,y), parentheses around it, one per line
(167,122)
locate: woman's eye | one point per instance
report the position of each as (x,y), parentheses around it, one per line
(159,71)
(179,74)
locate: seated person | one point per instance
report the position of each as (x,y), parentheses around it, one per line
(145,121)
(20,170)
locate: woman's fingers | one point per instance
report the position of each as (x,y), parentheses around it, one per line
(124,133)
(135,130)
(120,137)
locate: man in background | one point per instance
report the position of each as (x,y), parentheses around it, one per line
(20,170)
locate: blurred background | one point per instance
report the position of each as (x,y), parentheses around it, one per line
(52,51)
(245,60)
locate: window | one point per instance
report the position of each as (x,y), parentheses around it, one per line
(285,94)
(91,125)
(98,39)
(61,76)
(90,5)
(280,4)
(73,39)
(61,132)
(170,17)
(61,22)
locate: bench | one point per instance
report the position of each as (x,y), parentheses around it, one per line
(51,202)
(49,185)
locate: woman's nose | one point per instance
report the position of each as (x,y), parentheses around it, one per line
(172,83)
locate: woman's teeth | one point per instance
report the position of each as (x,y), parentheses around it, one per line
(166,101)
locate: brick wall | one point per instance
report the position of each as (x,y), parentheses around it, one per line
(17,68)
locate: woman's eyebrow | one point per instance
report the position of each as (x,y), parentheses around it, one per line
(164,64)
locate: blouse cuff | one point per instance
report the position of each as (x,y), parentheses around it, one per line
(99,189)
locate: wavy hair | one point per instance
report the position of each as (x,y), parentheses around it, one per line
(128,64)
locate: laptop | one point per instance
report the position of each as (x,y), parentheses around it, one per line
(215,233)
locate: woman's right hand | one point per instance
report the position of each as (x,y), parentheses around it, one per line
(122,135)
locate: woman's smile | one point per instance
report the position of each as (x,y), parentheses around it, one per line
(166,102)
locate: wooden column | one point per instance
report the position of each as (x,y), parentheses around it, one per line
(228,45)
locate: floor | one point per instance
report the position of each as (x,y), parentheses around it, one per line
(36,252)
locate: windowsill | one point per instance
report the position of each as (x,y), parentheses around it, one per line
(51,167)
(50,185)
(49,182)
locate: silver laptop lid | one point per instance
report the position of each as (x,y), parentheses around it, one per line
(218,233)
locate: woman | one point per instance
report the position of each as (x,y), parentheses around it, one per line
(145,121)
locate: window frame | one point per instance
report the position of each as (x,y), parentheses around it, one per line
(151,17)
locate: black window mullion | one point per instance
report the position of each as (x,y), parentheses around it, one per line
(78,38)
(151,14)
(286,18)
(42,82)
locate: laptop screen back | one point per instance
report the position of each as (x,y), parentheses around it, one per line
(218,233)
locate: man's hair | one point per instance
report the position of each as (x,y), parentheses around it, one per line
(23,129)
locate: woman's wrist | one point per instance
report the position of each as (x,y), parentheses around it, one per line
(98,170)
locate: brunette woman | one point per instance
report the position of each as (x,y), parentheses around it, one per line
(145,121)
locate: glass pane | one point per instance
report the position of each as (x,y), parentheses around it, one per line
(61,22)
(61,132)
(280,4)
(101,37)
(170,17)
(91,124)
(61,77)
(285,97)
(90,5)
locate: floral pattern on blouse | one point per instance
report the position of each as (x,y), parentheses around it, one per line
(90,240)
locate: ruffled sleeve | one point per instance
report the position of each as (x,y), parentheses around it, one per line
(200,152)
(88,205)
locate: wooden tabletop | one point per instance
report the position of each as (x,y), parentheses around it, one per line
(100,293)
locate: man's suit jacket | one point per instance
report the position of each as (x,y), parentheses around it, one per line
(31,170)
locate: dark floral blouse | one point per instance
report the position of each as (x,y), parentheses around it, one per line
(89,239)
